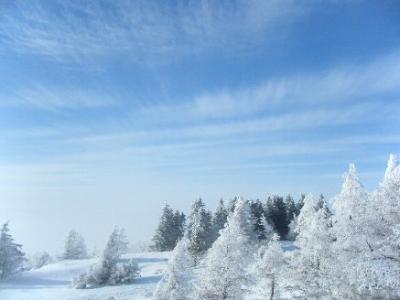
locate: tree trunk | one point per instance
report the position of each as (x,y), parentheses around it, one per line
(272,288)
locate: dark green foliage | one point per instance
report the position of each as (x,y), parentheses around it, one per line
(277,215)
(219,219)
(258,219)
(169,231)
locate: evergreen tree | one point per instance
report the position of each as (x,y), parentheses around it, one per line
(165,237)
(290,208)
(225,272)
(175,283)
(199,230)
(219,219)
(11,255)
(75,246)
(258,220)
(277,215)
(179,226)
(312,263)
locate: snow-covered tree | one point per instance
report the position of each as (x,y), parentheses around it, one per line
(111,270)
(170,229)
(219,219)
(117,244)
(175,283)
(270,269)
(75,247)
(311,264)
(199,230)
(378,256)
(11,255)
(225,274)
(260,225)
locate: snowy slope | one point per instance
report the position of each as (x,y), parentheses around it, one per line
(52,282)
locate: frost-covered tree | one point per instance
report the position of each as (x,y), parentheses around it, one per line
(75,247)
(199,230)
(179,221)
(376,252)
(290,208)
(258,220)
(175,283)
(111,270)
(219,219)
(311,264)
(225,274)
(270,270)
(117,244)
(170,229)
(11,255)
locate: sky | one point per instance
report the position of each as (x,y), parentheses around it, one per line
(110,109)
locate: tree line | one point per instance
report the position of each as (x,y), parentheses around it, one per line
(203,226)
(353,253)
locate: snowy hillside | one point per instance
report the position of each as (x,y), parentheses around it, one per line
(52,282)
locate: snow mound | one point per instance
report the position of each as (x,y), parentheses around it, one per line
(52,282)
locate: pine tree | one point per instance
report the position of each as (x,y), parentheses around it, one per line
(179,226)
(165,237)
(75,247)
(11,255)
(277,215)
(219,219)
(225,272)
(290,208)
(199,230)
(175,283)
(259,220)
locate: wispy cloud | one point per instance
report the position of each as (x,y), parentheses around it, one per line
(55,98)
(340,85)
(141,29)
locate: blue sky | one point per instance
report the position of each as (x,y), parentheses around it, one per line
(108,109)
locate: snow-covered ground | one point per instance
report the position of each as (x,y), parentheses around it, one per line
(52,282)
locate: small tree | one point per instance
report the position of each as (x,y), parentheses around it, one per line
(199,230)
(225,272)
(75,247)
(11,255)
(175,282)
(269,265)
(111,270)
(117,244)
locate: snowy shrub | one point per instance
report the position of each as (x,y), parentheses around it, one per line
(39,260)
(108,273)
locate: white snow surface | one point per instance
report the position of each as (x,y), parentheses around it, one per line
(52,282)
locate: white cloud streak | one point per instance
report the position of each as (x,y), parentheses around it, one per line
(339,86)
(78,31)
